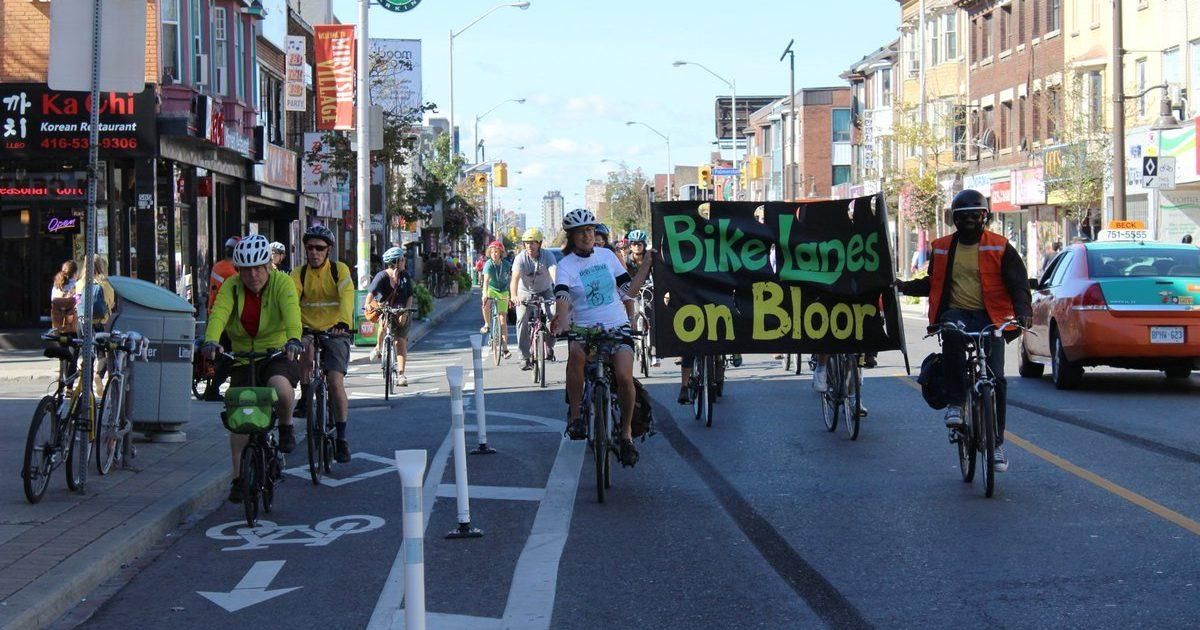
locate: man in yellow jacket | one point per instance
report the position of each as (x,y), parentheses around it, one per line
(326,289)
(258,310)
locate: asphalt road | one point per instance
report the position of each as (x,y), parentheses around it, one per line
(763,520)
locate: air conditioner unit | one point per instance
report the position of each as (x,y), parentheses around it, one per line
(202,63)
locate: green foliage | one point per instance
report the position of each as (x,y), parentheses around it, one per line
(926,198)
(627,202)
(424,300)
(1076,172)
(464,282)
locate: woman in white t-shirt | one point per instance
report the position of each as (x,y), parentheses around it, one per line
(592,290)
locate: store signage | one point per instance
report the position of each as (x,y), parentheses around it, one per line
(293,87)
(62,224)
(36,121)
(279,168)
(399,6)
(335,76)
(1027,186)
(1002,197)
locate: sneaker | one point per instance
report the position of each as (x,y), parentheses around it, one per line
(235,490)
(862,410)
(577,429)
(820,380)
(287,438)
(526,365)
(685,397)
(655,362)
(376,355)
(507,354)
(870,361)
(777,357)
(1000,460)
(342,452)
(402,380)
(954,417)
(627,453)
(550,357)
(483,330)
(736,360)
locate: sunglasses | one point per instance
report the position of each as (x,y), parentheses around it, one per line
(316,248)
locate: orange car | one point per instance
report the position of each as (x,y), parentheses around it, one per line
(1118,303)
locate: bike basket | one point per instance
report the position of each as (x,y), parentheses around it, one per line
(249,409)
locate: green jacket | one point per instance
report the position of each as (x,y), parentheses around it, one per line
(279,320)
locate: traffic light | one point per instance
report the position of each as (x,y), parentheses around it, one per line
(480,181)
(742,174)
(755,167)
(500,175)
(704,176)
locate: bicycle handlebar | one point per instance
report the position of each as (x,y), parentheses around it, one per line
(995,330)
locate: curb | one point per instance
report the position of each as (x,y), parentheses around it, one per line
(434,320)
(48,597)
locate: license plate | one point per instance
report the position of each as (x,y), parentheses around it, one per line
(1166,334)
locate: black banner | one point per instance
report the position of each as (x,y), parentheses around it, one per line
(744,277)
(36,121)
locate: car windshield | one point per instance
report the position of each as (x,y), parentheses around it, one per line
(1143,261)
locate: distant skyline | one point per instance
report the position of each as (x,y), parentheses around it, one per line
(585,68)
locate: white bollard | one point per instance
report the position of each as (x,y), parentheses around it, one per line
(480,413)
(454,376)
(412,472)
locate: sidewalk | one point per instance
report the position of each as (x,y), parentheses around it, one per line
(54,553)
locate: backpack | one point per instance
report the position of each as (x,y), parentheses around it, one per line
(99,304)
(643,414)
(933,381)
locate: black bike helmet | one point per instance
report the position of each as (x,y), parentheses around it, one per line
(321,232)
(602,229)
(969,200)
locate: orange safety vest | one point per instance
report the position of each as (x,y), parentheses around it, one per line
(996,299)
(221,272)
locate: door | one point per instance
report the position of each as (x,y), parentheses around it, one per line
(1043,302)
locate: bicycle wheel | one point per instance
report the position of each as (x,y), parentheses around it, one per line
(830,401)
(966,445)
(40,447)
(389,370)
(697,386)
(541,342)
(710,388)
(852,396)
(79,454)
(987,442)
(494,336)
(270,476)
(787,363)
(251,474)
(315,439)
(108,440)
(600,436)
(324,420)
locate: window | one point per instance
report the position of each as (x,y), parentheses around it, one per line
(950,35)
(989,124)
(985,36)
(199,69)
(841,175)
(1194,80)
(170,40)
(1005,27)
(975,56)
(1053,111)
(885,87)
(239,61)
(841,125)
(1171,73)
(1021,22)
(1022,141)
(934,45)
(270,106)
(910,53)
(1053,15)
(220,52)
(1035,116)
(1094,93)
(1002,138)
(1139,74)
(1096,12)
(1034,32)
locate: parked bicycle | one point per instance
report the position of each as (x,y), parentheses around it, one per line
(320,419)
(114,443)
(707,384)
(538,310)
(58,418)
(391,315)
(251,411)
(843,395)
(978,432)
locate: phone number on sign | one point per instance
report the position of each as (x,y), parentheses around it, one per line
(82,143)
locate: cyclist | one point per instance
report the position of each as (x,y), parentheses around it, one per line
(278,256)
(326,291)
(257,308)
(532,277)
(592,289)
(497,274)
(976,278)
(637,240)
(393,287)
(222,270)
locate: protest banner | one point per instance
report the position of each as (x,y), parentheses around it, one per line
(745,277)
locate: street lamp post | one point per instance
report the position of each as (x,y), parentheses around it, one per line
(453,34)
(734,119)
(670,165)
(791,122)
(519,101)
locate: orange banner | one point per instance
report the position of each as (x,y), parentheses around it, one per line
(335,76)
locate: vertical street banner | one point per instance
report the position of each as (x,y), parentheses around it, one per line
(334,76)
(745,277)
(293,83)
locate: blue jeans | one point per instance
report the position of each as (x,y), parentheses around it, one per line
(954,360)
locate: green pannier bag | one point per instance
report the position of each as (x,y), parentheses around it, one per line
(249,409)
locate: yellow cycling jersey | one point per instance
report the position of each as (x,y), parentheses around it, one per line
(323,302)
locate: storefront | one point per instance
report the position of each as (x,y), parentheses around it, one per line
(43,188)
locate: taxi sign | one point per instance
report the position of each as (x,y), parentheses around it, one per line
(1124,235)
(1135,224)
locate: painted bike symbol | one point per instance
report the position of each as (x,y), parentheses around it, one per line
(269,533)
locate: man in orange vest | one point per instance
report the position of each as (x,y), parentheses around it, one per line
(978,279)
(222,270)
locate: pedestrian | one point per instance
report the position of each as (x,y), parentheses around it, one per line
(1051,253)
(62,299)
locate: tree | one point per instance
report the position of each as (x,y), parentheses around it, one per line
(1075,171)
(925,197)
(626,198)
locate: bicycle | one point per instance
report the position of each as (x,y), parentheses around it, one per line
(391,315)
(320,426)
(251,411)
(114,444)
(497,341)
(539,335)
(641,350)
(843,394)
(600,407)
(50,442)
(706,385)
(978,432)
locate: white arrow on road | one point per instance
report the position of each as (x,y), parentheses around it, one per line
(252,589)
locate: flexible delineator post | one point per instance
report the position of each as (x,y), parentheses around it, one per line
(480,412)
(454,376)
(411,465)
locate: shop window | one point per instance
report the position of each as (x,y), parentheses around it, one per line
(169,58)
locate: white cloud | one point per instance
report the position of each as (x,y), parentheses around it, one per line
(590,106)
(533,169)
(505,133)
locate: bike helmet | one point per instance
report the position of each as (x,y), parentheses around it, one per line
(392,255)
(498,245)
(321,232)
(969,200)
(637,236)
(580,217)
(602,230)
(252,251)
(532,234)
(278,248)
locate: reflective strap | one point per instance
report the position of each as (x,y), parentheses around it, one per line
(991,248)
(941,251)
(320,304)
(217,278)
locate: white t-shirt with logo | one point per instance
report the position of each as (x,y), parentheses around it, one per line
(592,282)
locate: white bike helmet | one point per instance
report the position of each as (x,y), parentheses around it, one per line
(278,248)
(392,255)
(637,236)
(577,218)
(252,251)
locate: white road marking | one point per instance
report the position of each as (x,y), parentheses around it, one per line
(373,395)
(269,533)
(500,493)
(389,466)
(252,589)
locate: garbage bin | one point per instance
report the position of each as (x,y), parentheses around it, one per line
(161,400)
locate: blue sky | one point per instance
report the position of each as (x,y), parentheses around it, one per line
(586,67)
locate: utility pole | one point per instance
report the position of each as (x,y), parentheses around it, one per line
(1118,132)
(788,185)
(363,189)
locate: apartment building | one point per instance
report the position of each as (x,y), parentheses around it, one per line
(873,96)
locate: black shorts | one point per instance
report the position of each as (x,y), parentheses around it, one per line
(335,353)
(239,375)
